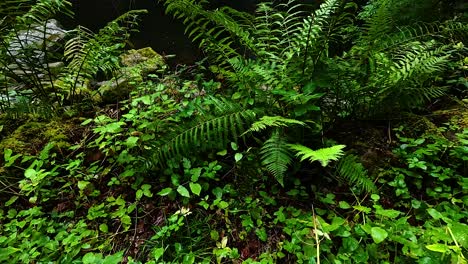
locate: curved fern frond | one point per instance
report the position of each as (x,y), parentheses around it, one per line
(355,174)
(323,155)
(276,156)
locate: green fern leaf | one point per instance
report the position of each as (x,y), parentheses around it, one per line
(273,121)
(355,174)
(323,155)
(211,134)
(275,156)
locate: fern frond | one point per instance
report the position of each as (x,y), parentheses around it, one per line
(273,121)
(212,134)
(355,174)
(88,53)
(323,155)
(275,156)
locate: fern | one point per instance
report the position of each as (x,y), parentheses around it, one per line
(273,121)
(282,38)
(323,155)
(276,156)
(214,133)
(355,174)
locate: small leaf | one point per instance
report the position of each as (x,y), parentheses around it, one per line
(183,191)
(378,234)
(344,205)
(195,188)
(30,173)
(82,184)
(222,152)
(139,194)
(103,228)
(238,157)
(7,154)
(234,146)
(165,191)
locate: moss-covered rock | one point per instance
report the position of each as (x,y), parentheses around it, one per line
(30,137)
(138,64)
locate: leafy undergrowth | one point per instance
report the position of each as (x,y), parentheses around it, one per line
(106,199)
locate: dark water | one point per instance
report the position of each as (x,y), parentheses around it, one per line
(157,30)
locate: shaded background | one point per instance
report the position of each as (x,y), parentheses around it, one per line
(157,30)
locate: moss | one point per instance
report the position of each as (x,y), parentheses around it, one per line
(30,137)
(135,57)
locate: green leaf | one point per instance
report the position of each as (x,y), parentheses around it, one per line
(262,234)
(344,205)
(131,141)
(7,253)
(236,96)
(460,233)
(323,155)
(104,228)
(126,220)
(92,258)
(390,213)
(195,188)
(11,200)
(434,213)
(165,191)
(82,184)
(222,152)
(234,146)
(183,191)
(114,259)
(139,194)
(157,253)
(238,157)
(378,234)
(438,248)
(30,173)
(362,208)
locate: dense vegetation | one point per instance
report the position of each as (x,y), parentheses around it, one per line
(333,133)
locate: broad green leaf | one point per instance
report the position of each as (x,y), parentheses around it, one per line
(183,191)
(195,188)
(378,234)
